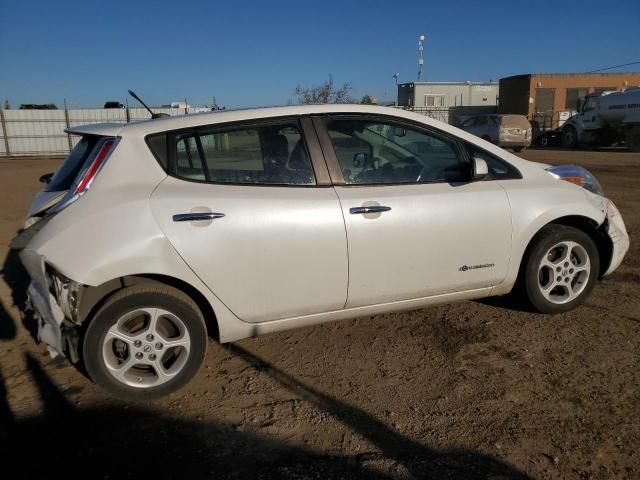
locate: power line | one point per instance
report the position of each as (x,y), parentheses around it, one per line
(616,66)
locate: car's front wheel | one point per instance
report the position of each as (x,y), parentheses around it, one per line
(145,342)
(569,137)
(561,268)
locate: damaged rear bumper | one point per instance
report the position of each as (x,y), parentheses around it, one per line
(52,299)
(48,316)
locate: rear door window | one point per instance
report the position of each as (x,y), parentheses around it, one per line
(70,168)
(268,154)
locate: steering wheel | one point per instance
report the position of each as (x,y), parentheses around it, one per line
(440,174)
(367,168)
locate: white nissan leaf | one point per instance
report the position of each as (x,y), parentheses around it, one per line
(154,234)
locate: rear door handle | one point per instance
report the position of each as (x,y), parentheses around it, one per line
(195,216)
(369,209)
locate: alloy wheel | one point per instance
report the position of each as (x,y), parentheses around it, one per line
(146,347)
(563,273)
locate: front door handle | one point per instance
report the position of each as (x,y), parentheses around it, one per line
(369,209)
(195,216)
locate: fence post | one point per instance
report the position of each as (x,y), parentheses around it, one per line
(5,133)
(128,114)
(66,118)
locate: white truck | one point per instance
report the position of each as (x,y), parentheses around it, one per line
(604,119)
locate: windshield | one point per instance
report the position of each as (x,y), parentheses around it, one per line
(515,121)
(589,104)
(68,171)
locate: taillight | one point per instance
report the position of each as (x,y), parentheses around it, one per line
(91,172)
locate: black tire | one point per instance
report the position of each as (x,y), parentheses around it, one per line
(569,137)
(519,149)
(147,295)
(544,240)
(632,139)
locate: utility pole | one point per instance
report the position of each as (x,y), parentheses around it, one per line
(396,76)
(420,56)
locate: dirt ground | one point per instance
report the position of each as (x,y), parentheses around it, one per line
(471,390)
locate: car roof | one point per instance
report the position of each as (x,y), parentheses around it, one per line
(176,122)
(145,127)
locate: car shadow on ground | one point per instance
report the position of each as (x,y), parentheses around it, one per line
(512,301)
(129,441)
(17,279)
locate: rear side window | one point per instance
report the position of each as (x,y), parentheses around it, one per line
(70,168)
(498,168)
(515,121)
(158,145)
(268,154)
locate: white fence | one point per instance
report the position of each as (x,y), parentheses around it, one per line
(41,132)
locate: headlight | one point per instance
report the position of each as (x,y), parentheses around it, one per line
(578,175)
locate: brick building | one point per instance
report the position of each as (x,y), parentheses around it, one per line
(547,93)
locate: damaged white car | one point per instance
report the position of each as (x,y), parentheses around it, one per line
(153,235)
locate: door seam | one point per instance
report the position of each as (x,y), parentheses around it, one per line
(346,238)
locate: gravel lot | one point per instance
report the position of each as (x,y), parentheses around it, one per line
(471,390)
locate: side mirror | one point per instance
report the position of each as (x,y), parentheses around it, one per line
(480,168)
(46,178)
(359,159)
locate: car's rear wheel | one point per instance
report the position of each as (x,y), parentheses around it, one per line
(519,149)
(561,269)
(145,342)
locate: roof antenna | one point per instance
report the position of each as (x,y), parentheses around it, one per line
(153,115)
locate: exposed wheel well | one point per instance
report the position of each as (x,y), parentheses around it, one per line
(94,297)
(597,234)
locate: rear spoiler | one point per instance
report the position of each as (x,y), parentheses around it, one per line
(101,129)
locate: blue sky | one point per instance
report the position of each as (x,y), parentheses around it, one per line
(248,53)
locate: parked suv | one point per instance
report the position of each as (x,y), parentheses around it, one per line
(240,223)
(510,131)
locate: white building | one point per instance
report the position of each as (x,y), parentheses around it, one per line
(448,94)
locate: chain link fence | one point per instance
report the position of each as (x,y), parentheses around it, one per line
(437,113)
(454,115)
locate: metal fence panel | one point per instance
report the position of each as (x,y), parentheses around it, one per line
(35,132)
(41,132)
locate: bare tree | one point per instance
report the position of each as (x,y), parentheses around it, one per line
(326,92)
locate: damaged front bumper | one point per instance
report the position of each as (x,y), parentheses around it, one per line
(52,299)
(618,235)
